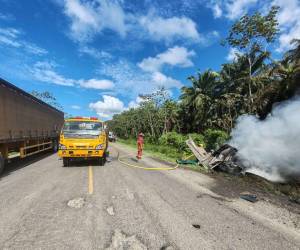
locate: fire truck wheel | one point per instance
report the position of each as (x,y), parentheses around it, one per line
(1,164)
(101,161)
(66,162)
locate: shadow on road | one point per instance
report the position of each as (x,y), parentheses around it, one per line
(88,162)
(17,163)
(82,163)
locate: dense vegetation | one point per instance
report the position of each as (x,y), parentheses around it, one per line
(251,84)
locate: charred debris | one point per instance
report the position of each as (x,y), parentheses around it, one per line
(226,159)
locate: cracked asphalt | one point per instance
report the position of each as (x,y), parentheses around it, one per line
(46,206)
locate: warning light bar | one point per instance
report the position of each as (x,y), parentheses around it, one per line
(87,118)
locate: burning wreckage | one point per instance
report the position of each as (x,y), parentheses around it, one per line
(226,159)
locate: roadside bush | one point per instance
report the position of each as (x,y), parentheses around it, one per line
(150,139)
(214,138)
(198,139)
(174,140)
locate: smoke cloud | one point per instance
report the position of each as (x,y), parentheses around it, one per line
(271,148)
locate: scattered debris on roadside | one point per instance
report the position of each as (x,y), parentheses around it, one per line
(249,197)
(110,211)
(295,200)
(76,203)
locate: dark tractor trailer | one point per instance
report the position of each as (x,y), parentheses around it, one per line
(27,125)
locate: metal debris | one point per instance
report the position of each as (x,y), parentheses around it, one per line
(197,226)
(249,197)
(295,200)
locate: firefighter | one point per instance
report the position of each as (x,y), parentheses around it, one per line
(140,145)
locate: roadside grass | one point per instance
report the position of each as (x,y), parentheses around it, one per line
(164,153)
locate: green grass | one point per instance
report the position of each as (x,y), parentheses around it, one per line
(165,153)
(162,152)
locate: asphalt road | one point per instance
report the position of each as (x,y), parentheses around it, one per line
(46,206)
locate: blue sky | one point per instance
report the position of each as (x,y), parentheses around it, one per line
(97,56)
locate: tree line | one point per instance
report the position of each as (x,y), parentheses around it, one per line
(251,84)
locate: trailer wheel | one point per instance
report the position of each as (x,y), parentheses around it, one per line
(66,162)
(1,164)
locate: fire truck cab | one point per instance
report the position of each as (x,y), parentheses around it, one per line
(83,138)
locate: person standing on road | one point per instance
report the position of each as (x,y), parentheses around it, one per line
(140,145)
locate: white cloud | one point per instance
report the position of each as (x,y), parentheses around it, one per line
(108,107)
(217,11)
(8,36)
(10,32)
(236,8)
(127,77)
(136,103)
(231,9)
(232,55)
(97,54)
(288,15)
(131,81)
(45,72)
(6,17)
(90,18)
(34,49)
(11,37)
(168,29)
(162,80)
(289,22)
(176,56)
(8,41)
(96,84)
(75,107)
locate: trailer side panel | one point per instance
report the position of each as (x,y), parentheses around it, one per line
(23,116)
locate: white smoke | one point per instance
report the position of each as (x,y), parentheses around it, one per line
(271,147)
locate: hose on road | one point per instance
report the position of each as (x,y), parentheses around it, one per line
(120,159)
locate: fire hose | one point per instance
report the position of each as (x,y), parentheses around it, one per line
(120,159)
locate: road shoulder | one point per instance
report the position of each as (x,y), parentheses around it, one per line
(272,209)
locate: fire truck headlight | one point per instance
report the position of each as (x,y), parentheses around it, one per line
(100,146)
(63,147)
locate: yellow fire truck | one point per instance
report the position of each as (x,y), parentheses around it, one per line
(83,138)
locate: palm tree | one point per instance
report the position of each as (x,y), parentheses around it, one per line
(196,100)
(284,83)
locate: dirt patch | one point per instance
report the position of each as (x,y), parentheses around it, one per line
(282,195)
(121,241)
